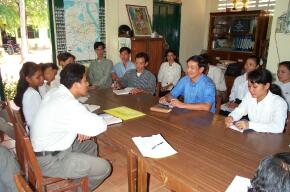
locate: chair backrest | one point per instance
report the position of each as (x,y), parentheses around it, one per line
(21,184)
(32,168)
(18,117)
(9,111)
(19,135)
(218,102)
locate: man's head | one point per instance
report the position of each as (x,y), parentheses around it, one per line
(195,66)
(65,58)
(74,78)
(99,48)
(125,54)
(141,61)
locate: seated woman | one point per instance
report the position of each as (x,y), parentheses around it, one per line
(273,174)
(284,80)
(196,88)
(266,109)
(27,95)
(169,73)
(48,75)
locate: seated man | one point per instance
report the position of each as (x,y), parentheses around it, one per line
(125,65)
(61,129)
(99,71)
(196,88)
(140,79)
(273,174)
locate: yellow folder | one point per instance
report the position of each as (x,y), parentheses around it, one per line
(124,113)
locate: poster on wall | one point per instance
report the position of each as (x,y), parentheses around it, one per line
(82,27)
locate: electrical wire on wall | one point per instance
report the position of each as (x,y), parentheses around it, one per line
(276,45)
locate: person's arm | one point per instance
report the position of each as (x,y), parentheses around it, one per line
(161,73)
(175,92)
(234,90)
(92,74)
(105,79)
(242,109)
(277,125)
(31,103)
(177,75)
(114,74)
(151,84)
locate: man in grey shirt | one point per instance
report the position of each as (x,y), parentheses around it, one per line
(140,79)
(99,71)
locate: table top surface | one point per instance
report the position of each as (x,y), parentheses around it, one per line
(209,154)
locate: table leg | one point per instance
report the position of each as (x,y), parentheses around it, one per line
(132,172)
(142,176)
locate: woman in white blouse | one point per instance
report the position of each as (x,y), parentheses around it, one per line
(27,96)
(267,111)
(284,80)
(169,72)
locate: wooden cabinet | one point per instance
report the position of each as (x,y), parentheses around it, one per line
(237,35)
(154,47)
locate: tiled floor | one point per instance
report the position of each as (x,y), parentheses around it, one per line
(117,182)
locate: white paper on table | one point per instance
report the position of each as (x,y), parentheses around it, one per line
(239,184)
(83,99)
(92,108)
(110,119)
(225,107)
(233,127)
(154,146)
(125,91)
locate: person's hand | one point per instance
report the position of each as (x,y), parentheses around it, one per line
(163,100)
(229,120)
(116,85)
(82,138)
(243,124)
(135,91)
(176,103)
(93,87)
(232,105)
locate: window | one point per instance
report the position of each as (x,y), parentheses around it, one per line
(268,5)
(32,33)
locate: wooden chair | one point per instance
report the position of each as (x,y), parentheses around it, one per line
(21,184)
(158,88)
(41,183)
(218,102)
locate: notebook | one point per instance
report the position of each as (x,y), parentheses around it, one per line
(92,108)
(161,108)
(83,99)
(125,91)
(154,146)
(125,113)
(239,184)
(110,119)
(233,127)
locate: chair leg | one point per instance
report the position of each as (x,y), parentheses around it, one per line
(85,184)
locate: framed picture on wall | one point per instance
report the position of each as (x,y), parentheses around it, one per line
(139,19)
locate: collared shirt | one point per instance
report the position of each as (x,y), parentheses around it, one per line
(120,69)
(285,88)
(268,115)
(56,81)
(43,89)
(240,88)
(201,91)
(30,104)
(100,73)
(59,119)
(146,80)
(169,74)
(217,76)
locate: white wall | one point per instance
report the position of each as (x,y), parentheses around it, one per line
(283,40)
(116,15)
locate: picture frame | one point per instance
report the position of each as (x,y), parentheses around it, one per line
(139,20)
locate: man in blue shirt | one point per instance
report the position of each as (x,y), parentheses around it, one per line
(125,65)
(196,88)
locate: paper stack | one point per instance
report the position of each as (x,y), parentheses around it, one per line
(110,119)
(125,91)
(154,146)
(239,184)
(92,108)
(83,99)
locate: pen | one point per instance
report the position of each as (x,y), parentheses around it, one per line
(156,145)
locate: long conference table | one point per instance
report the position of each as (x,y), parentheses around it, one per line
(209,154)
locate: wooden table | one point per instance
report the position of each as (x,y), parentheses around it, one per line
(209,155)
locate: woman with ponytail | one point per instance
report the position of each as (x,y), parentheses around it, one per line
(27,95)
(266,109)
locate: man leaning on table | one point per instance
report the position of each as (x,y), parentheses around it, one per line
(61,130)
(196,88)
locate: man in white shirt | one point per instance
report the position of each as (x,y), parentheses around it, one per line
(61,129)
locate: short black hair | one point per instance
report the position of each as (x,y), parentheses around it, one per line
(45,66)
(256,59)
(72,74)
(273,174)
(64,56)
(125,49)
(199,60)
(142,55)
(98,44)
(286,64)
